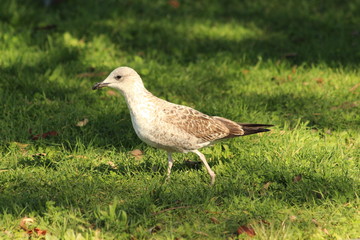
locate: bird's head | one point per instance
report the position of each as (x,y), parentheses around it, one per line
(122,78)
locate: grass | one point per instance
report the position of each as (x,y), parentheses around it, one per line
(294,64)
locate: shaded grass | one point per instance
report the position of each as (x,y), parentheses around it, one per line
(289,63)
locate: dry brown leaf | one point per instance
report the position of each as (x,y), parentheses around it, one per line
(214,220)
(174,3)
(112,165)
(26,222)
(39,232)
(111,93)
(44,135)
(266,185)
(353,88)
(137,153)
(82,123)
(315,222)
(245,229)
(325,231)
(319,80)
(297,178)
(293,218)
(245,71)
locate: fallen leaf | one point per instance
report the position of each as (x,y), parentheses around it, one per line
(325,231)
(297,178)
(353,88)
(44,135)
(266,185)
(82,123)
(293,218)
(111,93)
(174,3)
(245,229)
(319,80)
(26,222)
(214,220)
(112,165)
(40,232)
(245,71)
(315,222)
(137,153)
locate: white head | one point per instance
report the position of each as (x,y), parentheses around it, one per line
(123,79)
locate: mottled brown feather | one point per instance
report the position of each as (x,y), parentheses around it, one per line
(202,126)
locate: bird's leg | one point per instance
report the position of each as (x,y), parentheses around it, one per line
(170,164)
(203,159)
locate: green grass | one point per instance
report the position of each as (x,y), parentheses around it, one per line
(294,64)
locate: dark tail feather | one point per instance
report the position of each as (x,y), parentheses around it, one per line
(251,128)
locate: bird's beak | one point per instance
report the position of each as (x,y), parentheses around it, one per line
(99,85)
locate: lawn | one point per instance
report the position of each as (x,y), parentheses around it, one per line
(68,169)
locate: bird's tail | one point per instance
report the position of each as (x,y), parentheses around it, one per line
(241,129)
(252,128)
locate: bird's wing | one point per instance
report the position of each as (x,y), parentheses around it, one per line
(200,125)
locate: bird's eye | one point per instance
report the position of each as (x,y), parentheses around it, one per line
(117,77)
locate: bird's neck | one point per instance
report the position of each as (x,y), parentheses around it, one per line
(139,100)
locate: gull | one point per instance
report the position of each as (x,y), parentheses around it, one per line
(172,127)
